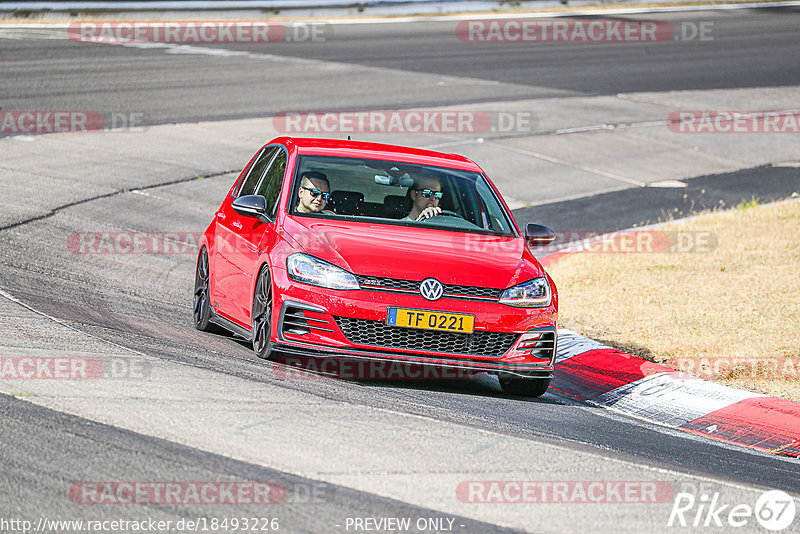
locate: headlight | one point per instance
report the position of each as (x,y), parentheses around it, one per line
(532,294)
(311,270)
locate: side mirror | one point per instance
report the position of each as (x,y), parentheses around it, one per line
(251,206)
(537,235)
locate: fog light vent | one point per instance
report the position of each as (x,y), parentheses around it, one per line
(294,322)
(542,344)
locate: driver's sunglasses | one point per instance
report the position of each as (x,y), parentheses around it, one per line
(316,192)
(428,193)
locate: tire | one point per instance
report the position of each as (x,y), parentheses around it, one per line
(202,298)
(262,315)
(527,387)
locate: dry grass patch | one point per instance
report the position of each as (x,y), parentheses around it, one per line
(731,314)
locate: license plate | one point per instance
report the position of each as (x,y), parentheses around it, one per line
(429,320)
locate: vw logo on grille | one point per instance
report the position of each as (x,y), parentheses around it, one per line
(431,289)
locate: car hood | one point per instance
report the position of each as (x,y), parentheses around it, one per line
(414,253)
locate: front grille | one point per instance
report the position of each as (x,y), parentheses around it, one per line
(388,283)
(366,332)
(470,291)
(368,282)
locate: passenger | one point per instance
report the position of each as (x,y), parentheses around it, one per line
(314,193)
(425,195)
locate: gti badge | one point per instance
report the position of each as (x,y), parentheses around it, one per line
(431,289)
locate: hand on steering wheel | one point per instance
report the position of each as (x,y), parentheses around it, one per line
(430,211)
(448,213)
(435,211)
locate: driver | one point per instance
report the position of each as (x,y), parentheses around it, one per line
(314,193)
(425,195)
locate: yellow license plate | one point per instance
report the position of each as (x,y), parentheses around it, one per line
(429,320)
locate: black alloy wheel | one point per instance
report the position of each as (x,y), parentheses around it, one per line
(262,315)
(202,305)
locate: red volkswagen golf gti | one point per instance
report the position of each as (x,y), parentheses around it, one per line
(344,249)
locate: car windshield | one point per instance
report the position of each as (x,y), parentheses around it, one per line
(388,192)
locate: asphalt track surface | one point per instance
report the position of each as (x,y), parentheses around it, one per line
(752,50)
(103,452)
(138,305)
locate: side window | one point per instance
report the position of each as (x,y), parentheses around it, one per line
(250,181)
(270,186)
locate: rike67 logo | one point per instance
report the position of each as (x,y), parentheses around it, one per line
(774,510)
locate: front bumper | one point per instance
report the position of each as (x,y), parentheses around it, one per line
(319,322)
(459,364)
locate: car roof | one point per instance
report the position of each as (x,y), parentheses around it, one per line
(363,149)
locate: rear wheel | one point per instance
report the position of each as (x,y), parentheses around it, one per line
(262,315)
(528,387)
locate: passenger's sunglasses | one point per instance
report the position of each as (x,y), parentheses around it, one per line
(316,192)
(427,193)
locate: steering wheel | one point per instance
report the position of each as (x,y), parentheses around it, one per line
(446,213)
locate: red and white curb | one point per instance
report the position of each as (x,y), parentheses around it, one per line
(603,376)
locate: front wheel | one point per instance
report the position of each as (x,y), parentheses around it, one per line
(262,315)
(528,387)
(202,300)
